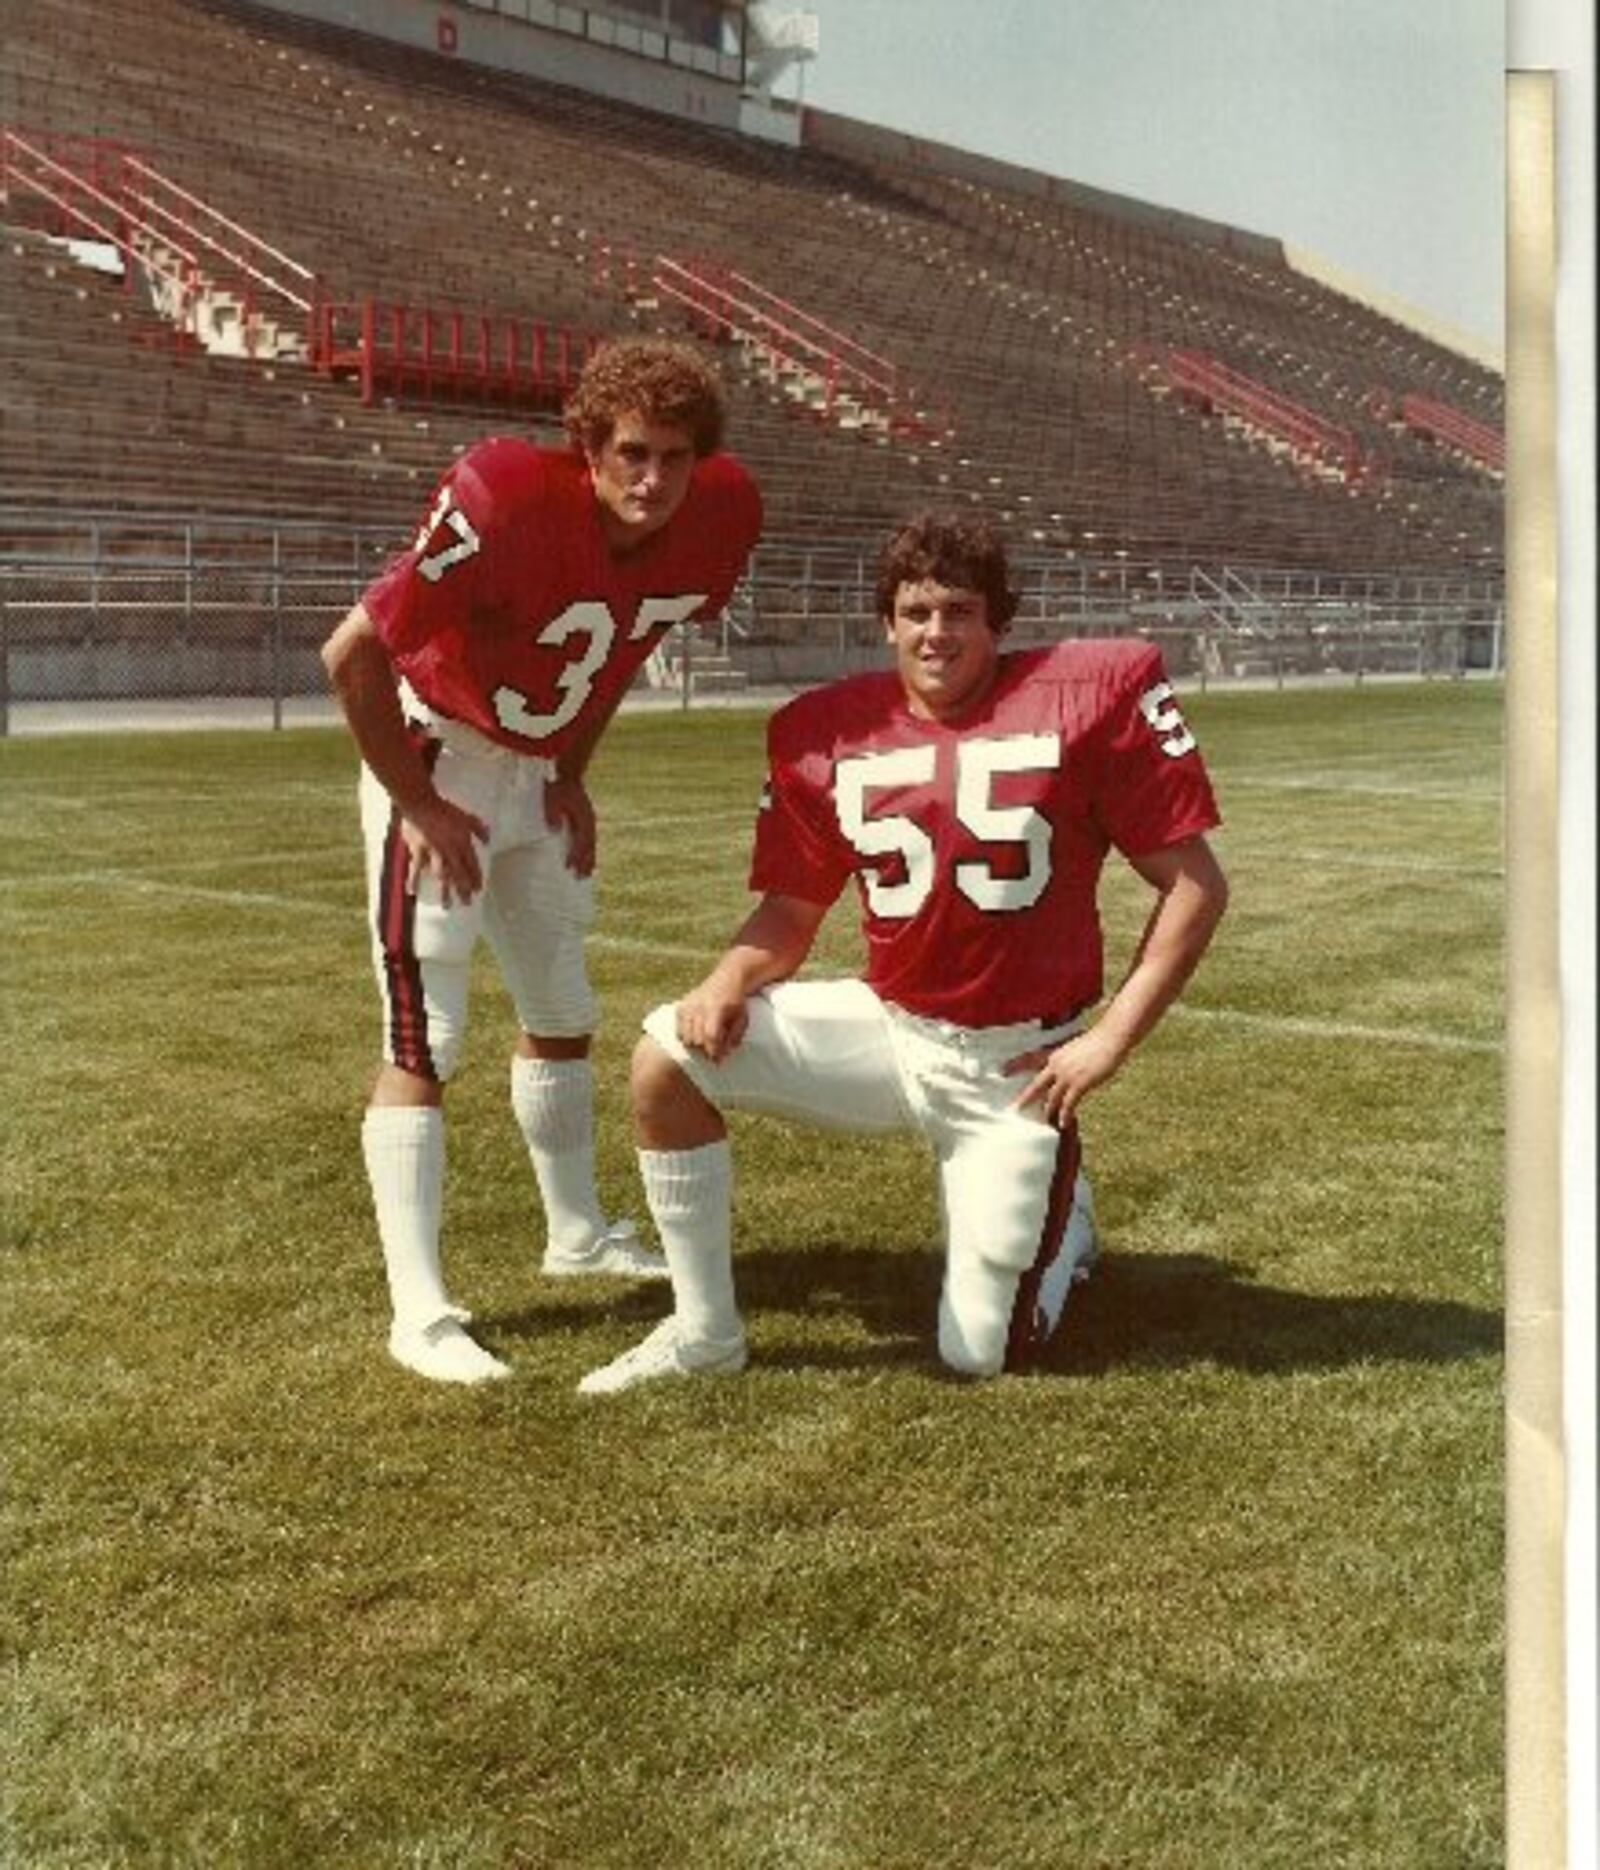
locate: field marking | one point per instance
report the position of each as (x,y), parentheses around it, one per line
(1289,1025)
(1349,860)
(196,892)
(261,860)
(353,913)
(1283,1024)
(1363,788)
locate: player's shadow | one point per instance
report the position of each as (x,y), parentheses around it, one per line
(1158,1311)
(1153,1311)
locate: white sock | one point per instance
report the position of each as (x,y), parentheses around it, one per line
(553,1099)
(690,1192)
(404,1150)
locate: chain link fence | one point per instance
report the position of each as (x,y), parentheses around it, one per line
(106,609)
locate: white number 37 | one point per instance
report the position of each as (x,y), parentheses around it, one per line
(463,540)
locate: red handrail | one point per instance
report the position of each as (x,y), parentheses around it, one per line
(132,192)
(722,301)
(63,185)
(1440,422)
(401,345)
(1302,428)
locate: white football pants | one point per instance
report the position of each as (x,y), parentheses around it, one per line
(832,1055)
(533,911)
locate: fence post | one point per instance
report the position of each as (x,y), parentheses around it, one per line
(685,663)
(369,336)
(277,630)
(5,655)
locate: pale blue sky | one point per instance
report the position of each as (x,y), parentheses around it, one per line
(1369,131)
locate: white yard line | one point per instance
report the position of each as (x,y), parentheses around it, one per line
(1350,860)
(1290,1026)
(1282,1025)
(193,892)
(1362,788)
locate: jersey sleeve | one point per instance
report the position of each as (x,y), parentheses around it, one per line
(798,847)
(1151,784)
(452,567)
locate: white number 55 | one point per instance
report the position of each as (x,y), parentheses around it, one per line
(895,834)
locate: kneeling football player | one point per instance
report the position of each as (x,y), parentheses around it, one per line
(972,796)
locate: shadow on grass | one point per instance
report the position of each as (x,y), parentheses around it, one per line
(1168,1310)
(1149,1311)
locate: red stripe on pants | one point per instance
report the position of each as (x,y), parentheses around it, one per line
(1027,1335)
(397,921)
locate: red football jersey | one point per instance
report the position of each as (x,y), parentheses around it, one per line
(510,613)
(977,847)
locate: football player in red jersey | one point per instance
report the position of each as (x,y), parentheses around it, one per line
(477,673)
(973,797)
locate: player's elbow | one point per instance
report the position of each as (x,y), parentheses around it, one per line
(335,653)
(347,648)
(1204,883)
(1217,894)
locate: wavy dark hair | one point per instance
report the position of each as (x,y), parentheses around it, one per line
(957,549)
(656,379)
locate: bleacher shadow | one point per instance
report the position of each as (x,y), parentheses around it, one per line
(1153,1311)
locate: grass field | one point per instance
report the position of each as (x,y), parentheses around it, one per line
(1219,1587)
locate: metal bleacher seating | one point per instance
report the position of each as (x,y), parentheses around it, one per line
(396,174)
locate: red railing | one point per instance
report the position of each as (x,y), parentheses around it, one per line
(1440,423)
(98,188)
(396,347)
(1205,380)
(723,303)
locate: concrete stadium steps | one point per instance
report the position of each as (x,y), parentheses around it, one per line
(1020,314)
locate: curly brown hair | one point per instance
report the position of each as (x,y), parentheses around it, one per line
(956,549)
(655,379)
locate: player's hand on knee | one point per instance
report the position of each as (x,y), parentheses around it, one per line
(568,807)
(443,841)
(712,1022)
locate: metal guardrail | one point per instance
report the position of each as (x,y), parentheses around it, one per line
(105,607)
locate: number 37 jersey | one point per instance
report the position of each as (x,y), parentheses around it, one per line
(510,613)
(977,846)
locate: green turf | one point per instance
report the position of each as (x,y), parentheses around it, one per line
(1221,1586)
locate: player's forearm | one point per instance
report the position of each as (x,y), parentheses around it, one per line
(1175,938)
(363,678)
(771,945)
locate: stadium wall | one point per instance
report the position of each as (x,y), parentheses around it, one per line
(588,52)
(846,137)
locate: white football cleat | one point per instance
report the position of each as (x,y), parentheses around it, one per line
(665,1353)
(445,1352)
(619,1253)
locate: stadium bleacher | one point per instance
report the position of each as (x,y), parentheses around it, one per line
(1029,332)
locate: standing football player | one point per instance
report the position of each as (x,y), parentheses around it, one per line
(973,796)
(477,674)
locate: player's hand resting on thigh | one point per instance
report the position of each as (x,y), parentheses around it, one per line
(567,806)
(1064,1075)
(443,841)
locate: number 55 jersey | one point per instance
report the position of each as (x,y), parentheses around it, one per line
(509,612)
(977,845)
